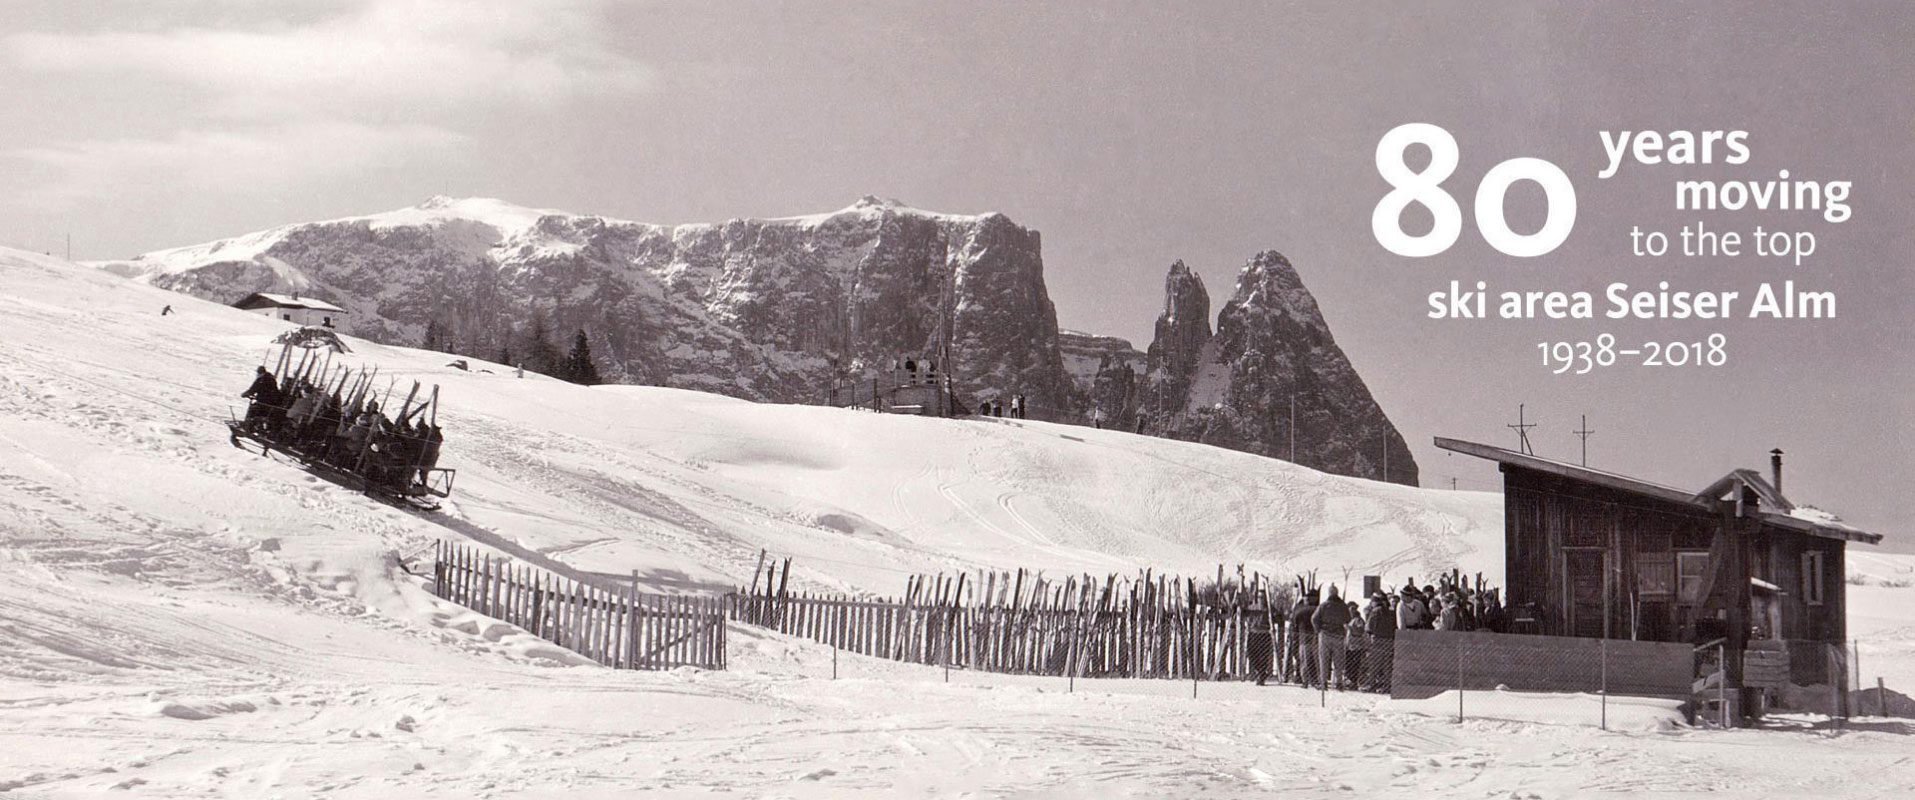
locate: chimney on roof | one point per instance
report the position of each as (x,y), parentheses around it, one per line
(1775,468)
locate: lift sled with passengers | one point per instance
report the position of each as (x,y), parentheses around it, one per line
(342,428)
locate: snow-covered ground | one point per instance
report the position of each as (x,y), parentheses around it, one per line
(179,618)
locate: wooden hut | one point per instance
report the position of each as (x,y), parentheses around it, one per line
(1590,553)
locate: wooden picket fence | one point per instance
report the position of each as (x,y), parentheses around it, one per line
(623,628)
(1149,627)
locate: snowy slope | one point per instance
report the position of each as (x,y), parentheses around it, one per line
(686,486)
(179,618)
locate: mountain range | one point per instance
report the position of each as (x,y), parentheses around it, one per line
(785,309)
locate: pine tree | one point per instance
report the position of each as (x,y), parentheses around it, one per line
(435,337)
(578,366)
(505,355)
(541,355)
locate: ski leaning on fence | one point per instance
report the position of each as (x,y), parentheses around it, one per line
(1150,627)
(622,629)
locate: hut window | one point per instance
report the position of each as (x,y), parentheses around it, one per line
(1655,574)
(1812,578)
(1690,570)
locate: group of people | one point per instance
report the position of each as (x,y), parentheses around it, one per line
(354,436)
(1335,643)
(997,408)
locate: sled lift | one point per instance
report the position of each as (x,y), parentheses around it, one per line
(341,427)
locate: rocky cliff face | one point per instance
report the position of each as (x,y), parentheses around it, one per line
(1177,349)
(1106,372)
(773,310)
(1234,388)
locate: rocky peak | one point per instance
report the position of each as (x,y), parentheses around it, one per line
(1235,388)
(1183,329)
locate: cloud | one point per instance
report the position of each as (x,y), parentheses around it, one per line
(319,95)
(229,163)
(414,58)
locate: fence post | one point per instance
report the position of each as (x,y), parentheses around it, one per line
(1722,685)
(1605,683)
(1077,623)
(1839,674)
(1855,668)
(1459,678)
(1190,646)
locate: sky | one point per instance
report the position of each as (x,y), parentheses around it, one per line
(1130,135)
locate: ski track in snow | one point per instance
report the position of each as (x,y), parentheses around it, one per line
(180,618)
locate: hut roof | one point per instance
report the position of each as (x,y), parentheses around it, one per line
(1775,509)
(264,299)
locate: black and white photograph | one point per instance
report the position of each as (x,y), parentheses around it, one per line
(841,398)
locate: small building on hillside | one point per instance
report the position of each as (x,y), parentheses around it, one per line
(910,386)
(295,309)
(1590,553)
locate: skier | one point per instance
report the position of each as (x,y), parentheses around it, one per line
(305,401)
(266,399)
(429,454)
(165,311)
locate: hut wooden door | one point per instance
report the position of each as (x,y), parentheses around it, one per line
(1583,573)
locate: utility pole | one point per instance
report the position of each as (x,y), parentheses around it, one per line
(1386,472)
(1522,427)
(1452,483)
(1293,427)
(1584,433)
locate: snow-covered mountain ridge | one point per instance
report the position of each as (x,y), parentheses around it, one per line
(765,309)
(786,309)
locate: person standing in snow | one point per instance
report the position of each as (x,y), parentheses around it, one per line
(1257,643)
(1491,618)
(1448,619)
(1410,611)
(1356,645)
(1301,652)
(1380,623)
(1331,619)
